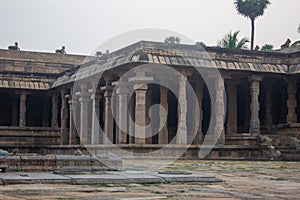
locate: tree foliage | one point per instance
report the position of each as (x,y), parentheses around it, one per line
(172,40)
(251,9)
(267,47)
(200,44)
(231,41)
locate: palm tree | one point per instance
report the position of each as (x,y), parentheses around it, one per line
(251,9)
(231,41)
(172,40)
(267,47)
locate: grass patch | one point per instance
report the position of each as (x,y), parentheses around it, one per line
(181,191)
(278,179)
(62,198)
(184,167)
(98,184)
(24,175)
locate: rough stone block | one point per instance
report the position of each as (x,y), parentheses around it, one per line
(37,163)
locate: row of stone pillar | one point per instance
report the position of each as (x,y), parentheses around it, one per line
(22,105)
(138,110)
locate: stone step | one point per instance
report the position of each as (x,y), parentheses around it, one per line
(29,134)
(290,156)
(28,142)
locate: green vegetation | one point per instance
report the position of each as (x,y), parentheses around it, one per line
(172,40)
(231,41)
(267,47)
(99,184)
(251,9)
(200,44)
(24,175)
(278,179)
(184,167)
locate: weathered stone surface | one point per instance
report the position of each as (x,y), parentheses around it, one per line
(37,163)
(61,162)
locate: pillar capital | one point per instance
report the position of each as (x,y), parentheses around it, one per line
(23,92)
(107,87)
(140,87)
(108,79)
(255,78)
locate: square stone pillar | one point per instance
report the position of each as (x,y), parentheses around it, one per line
(181,137)
(163,134)
(84,100)
(108,117)
(231,107)
(22,115)
(199,93)
(291,101)
(54,112)
(122,94)
(254,105)
(140,113)
(63,118)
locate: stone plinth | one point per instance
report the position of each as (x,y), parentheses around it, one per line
(38,163)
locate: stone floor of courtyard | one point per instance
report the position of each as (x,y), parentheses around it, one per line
(242,180)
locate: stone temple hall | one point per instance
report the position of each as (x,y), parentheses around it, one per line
(51,104)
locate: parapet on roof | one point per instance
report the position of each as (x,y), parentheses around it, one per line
(33,70)
(145,52)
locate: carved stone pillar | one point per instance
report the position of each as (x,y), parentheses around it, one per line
(291,101)
(140,113)
(163,134)
(95,136)
(181,137)
(254,106)
(131,121)
(219,110)
(108,117)
(122,94)
(22,116)
(199,93)
(63,118)
(54,101)
(72,101)
(84,100)
(231,107)
(268,107)
(148,116)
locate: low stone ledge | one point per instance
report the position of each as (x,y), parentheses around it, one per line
(38,163)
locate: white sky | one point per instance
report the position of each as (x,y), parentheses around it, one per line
(83,25)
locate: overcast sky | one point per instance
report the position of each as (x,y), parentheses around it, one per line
(83,25)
